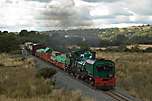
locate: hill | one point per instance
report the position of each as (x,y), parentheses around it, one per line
(127,36)
(103,37)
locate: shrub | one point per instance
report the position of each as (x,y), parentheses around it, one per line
(148,49)
(8,42)
(1,64)
(46,72)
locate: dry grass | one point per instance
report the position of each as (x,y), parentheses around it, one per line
(17,78)
(18,82)
(134,71)
(7,60)
(56,95)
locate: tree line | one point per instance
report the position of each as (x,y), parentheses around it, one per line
(10,41)
(124,36)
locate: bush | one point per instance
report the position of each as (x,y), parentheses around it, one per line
(1,64)
(46,72)
(8,42)
(148,49)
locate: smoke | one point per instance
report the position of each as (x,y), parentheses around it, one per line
(62,39)
(67,15)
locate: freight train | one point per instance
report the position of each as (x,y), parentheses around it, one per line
(80,63)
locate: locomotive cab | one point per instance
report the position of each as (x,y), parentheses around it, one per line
(102,72)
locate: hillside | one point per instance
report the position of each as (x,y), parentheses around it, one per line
(130,35)
(103,37)
(90,37)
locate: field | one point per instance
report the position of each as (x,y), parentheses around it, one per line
(18,82)
(134,71)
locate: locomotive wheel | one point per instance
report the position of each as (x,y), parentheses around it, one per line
(86,79)
(92,83)
(65,69)
(83,77)
(71,73)
(77,76)
(74,75)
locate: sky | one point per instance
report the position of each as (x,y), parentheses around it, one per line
(43,15)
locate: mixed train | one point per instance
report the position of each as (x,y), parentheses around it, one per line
(80,63)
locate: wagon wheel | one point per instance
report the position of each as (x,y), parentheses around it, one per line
(92,83)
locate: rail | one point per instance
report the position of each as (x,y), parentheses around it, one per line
(118,96)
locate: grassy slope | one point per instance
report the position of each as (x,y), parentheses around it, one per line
(18,82)
(134,71)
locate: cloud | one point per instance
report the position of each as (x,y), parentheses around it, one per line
(142,7)
(39,0)
(57,14)
(67,14)
(18,14)
(100,0)
(107,10)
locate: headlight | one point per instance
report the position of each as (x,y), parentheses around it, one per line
(110,75)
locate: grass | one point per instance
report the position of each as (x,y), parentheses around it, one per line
(133,71)
(18,81)
(56,95)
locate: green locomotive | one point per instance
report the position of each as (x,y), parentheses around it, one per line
(99,73)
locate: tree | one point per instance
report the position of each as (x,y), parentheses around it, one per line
(32,33)
(23,33)
(120,39)
(148,49)
(136,48)
(5,32)
(8,42)
(84,45)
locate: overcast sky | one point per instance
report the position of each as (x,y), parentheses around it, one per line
(64,14)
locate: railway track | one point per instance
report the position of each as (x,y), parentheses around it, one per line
(117,96)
